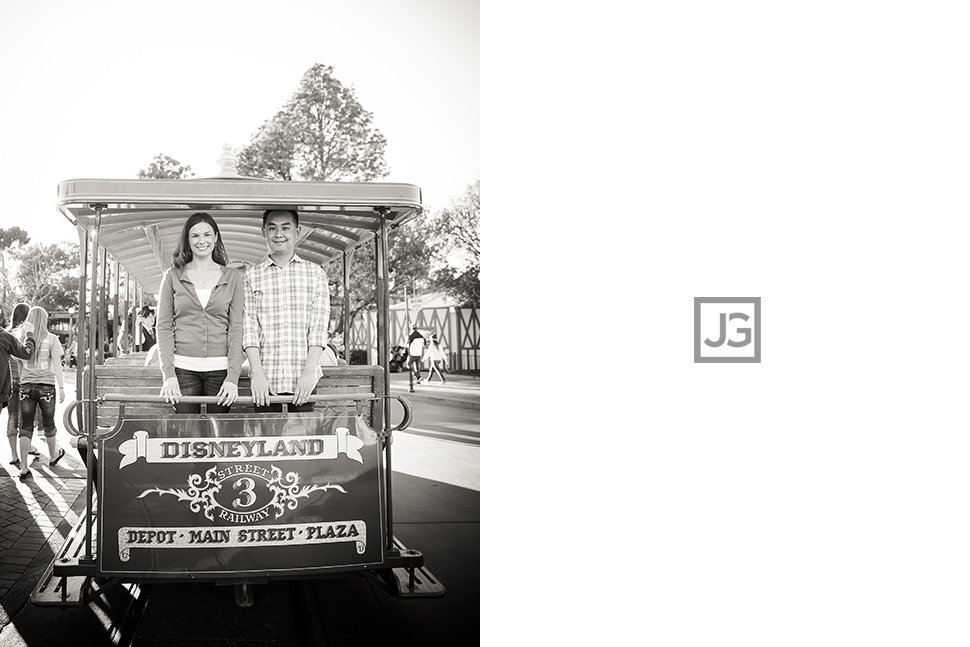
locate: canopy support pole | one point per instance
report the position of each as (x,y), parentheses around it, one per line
(383,355)
(115,283)
(102,301)
(158,249)
(348,260)
(82,311)
(90,406)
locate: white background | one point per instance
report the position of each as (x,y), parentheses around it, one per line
(813,154)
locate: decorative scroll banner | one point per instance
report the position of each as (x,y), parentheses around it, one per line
(277,448)
(284,489)
(300,534)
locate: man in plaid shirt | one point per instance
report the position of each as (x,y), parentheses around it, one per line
(285,324)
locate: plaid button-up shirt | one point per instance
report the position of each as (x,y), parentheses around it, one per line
(287,311)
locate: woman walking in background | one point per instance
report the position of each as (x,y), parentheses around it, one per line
(433,355)
(200,320)
(17,319)
(39,375)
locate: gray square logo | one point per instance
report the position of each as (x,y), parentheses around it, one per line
(727,329)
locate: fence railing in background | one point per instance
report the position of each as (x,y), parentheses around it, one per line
(458,330)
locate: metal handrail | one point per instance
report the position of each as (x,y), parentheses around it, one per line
(203,399)
(212,399)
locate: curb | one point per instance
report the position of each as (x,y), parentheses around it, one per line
(428,397)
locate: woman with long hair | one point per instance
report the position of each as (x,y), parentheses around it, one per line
(17,319)
(39,375)
(200,320)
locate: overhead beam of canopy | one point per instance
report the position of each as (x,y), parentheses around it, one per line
(141,220)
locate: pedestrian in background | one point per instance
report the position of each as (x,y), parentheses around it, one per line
(40,373)
(146,319)
(10,344)
(123,334)
(433,355)
(415,351)
(17,319)
(330,357)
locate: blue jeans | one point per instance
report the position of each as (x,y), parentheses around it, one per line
(31,395)
(13,410)
(196,383)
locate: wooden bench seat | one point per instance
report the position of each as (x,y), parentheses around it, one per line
(120,378)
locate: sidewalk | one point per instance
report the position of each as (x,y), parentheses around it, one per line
(458,390)
(38,513)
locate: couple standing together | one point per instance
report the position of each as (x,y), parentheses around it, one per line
(210,315)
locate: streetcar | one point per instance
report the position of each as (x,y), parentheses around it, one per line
(235,498)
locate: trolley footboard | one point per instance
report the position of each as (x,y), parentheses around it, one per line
(65,580)
(414,581)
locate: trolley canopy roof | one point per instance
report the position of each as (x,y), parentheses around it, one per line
(141,220)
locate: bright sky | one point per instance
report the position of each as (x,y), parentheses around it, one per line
(98,88)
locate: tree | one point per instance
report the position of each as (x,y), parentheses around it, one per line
(464,285)
(272,152)
(409,256)
(9,238)
(323,130)
(458,249)
(363,288)
(408,259)
(164,167)
(440,252)
(48,274)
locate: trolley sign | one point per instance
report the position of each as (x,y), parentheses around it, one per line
(221,495)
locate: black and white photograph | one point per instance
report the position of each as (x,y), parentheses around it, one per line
(240,323)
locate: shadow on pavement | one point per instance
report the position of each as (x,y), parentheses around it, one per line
(440,520)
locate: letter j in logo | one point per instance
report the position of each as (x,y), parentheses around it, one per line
(727,329)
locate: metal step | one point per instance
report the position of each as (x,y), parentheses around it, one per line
(414,582)
(69,586)
(52,591)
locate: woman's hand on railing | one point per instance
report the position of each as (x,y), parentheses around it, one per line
(170,390)
(228,393)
